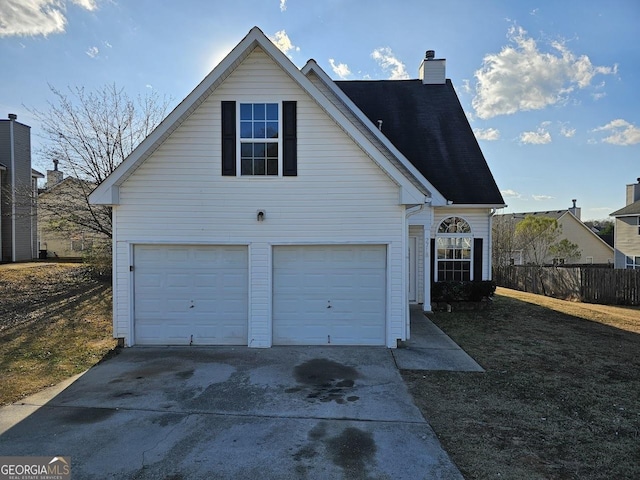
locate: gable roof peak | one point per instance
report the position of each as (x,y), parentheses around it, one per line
(107,192)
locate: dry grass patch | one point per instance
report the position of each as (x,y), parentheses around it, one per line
(559,398)
(55,321)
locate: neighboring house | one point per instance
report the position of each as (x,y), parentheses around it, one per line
(62,224)
(275,206)
(18,193)
(627,230)
(593,249)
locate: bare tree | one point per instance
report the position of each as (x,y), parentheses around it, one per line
(90,133)
(503,241)
(536,235)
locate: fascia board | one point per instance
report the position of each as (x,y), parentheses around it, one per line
(173,120)
(312,66)
(372,151)
(105,193)
(476,205)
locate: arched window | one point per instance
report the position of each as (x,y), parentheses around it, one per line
(454,243)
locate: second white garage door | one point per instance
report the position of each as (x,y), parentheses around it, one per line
(329,294)
(190,295)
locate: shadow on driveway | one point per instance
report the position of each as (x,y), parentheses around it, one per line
(236,413)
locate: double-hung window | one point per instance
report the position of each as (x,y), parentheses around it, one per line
(259,138)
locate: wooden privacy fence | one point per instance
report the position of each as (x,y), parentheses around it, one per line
(587,284)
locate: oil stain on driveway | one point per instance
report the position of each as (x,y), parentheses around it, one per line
(236,413)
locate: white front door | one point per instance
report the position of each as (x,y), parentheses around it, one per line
(413,269)
(190,294)
(329,294)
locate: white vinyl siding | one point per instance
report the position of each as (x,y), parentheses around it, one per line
(339,197)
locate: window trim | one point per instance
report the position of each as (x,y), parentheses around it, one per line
(632,262)
(239,140)
(466,235)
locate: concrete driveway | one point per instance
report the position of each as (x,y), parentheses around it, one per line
(236,413)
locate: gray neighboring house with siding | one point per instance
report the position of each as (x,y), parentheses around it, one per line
(18,193)
(627,230)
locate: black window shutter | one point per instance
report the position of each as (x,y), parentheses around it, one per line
(229,138)
(477,259)
(289,140)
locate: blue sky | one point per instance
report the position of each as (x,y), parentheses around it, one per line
(550,88)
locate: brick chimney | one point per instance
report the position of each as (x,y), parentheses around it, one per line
(633,192)
(432,71)
(54,176)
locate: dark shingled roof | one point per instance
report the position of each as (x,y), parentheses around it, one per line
(427,124)
(632,209)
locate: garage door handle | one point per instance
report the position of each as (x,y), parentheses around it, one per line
(329,302)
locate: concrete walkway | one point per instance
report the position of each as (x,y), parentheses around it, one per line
(431,349)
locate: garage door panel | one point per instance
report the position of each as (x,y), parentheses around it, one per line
(349,279)
(187,294)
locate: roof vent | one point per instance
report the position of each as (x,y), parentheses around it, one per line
(430,54)
(13,116)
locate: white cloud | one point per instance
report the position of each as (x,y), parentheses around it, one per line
(538,137)
(598,96)
(486,133)
(390,64)
(510,193)
(566,131)
(521,77)
(92,52)
(90,5)
(283,42)
(36,17)
(466,86)
(540,198)
(620,132)
(340,69)
(283,5)
(107,44)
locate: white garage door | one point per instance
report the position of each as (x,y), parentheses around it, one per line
(190,295)
(330,294)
